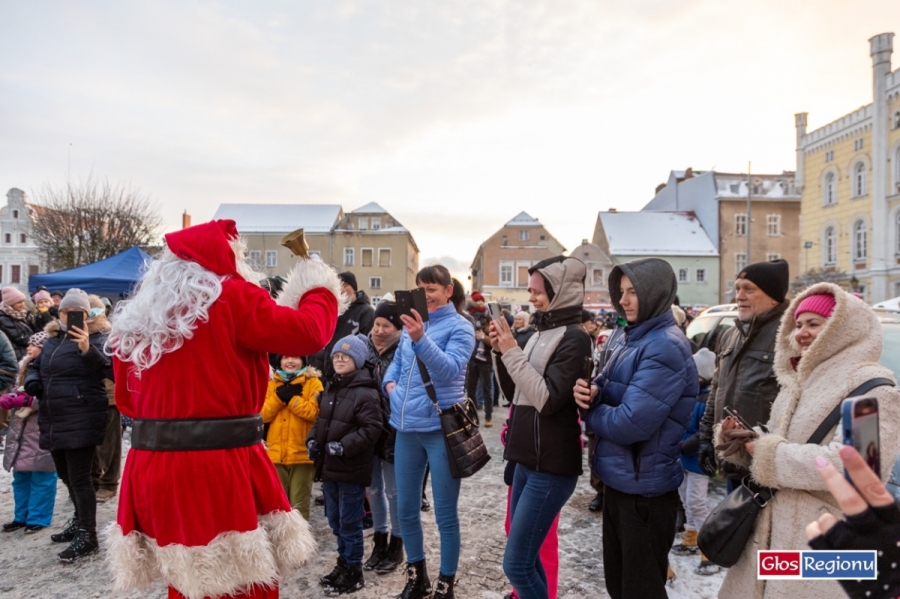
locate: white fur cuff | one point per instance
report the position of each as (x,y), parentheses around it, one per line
(763,469)
(309,274)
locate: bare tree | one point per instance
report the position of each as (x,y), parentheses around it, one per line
(838,277)
(80,223)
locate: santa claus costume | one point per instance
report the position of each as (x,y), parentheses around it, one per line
(201,505)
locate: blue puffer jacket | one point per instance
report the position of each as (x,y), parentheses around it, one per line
(647,393)
(445,348)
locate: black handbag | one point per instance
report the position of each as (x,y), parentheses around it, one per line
(724,535)
(459,423)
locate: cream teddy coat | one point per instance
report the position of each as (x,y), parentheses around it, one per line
(844,356)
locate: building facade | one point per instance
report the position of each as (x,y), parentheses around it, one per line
(598,265)
(20,256)
(369,242)
(676,237)
(500,267)
(722,202)
(849,174)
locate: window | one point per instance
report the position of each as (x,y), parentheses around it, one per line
(363,223)
(830,246)
(366,257)
(700,275)
(740,263)
(506,275)
(15,274)
(859,179)
(684,275)
(15,214)
(255,258)
(772,257)
(271,258)
(897,120)
(22,238)
(7,238)
(597,277)
(828,194)
(740,225)
(32,269)
(376,224)
(522,279)
(829,155)
(348,256)
(860,240)
(384,257)
(773,225)
(315,253)
(524,235)
(857,145)
(375,282)
(504,241)
(543,238)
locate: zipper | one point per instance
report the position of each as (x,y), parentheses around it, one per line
(409,381)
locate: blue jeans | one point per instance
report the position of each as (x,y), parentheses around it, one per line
(35,497)
(411,453)
(537,497)
(383,496)
(344,508)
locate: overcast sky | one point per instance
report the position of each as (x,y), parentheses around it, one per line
(453,115)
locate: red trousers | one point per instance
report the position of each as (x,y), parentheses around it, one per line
(549,552)
(257,592)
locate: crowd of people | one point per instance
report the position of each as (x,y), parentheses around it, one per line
(323,387)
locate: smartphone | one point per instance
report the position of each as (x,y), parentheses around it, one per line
(75,318)
(494,309)
(733,413)
(414,299)
(859,419)
(587,369)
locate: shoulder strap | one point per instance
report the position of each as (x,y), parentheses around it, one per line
(835,416)
(428,383)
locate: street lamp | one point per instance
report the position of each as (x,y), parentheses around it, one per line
(854,282)
(806,247)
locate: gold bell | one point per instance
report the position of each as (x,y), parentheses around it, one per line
(296,242)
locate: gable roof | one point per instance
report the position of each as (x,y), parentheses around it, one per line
(370,208)
(648,233)
(523,219)
(281,218)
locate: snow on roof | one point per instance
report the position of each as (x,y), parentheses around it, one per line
(523,219)
(370,208)
(281,218)
(656,234)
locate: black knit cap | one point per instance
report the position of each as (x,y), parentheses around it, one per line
(349,278)
(772,277)
(388,311)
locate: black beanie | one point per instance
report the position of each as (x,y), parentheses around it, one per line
(772,277)
(349,278)
(388,311)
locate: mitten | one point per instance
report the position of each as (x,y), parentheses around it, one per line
(691,445)
(706,457)
(312,449)
(287,392)
(732,445)
(14,400)
(334,448)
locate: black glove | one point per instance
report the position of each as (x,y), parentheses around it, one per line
(691,445)
(706,456)
(877,528)
(287,392)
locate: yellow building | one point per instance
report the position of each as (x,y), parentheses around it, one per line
(849,173)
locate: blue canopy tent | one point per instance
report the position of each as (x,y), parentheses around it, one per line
(114,276)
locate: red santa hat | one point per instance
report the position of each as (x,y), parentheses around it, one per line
(209,245)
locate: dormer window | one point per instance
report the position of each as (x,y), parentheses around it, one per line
(15,214)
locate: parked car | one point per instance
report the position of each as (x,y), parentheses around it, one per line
(720,308)
(706,328)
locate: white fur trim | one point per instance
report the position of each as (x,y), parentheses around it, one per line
(763,468)
(233,562)
(309,274)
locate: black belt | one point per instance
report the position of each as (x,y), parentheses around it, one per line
(195,435)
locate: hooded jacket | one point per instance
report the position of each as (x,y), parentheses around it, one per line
(351,415)
(23,451)
(544,432)
(290,423)
(844,355)
(18,332)
(445,349)
(357,320)
(647,389)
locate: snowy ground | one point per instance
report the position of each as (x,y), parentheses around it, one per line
(30,570)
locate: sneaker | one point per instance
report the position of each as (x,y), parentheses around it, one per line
(349,581)
(85,544)
(488,423)
(68,533)
(33,528)
(104,495)
(14,525)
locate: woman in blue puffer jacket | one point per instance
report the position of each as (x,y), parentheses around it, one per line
(444,345)
(642,404)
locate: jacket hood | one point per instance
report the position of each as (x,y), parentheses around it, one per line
(654,282)
(311,373)
(362,298)
(99,324)
(361,377)
(566,276)
(852,334)
(209,245)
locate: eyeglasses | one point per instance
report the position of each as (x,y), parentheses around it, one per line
(341,358)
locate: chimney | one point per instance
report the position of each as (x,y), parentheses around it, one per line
(584,242)
(185,220)
(612,210)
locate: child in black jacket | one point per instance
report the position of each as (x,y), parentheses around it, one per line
(342,444)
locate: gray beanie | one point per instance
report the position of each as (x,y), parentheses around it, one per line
(75,299)
(355,346)
(706,364)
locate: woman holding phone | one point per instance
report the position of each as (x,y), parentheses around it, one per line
(828,345)
(68,379)
(544,435)
(443,345)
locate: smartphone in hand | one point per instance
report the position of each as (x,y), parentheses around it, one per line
(859,421)
(75,318)
(737,417)
(494,309)
(414,299)
(587,369)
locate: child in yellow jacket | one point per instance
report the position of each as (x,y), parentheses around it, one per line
(291,407)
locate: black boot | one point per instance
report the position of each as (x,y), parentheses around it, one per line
(68,533)
(392,558)
(85,544)
(330,578)
(444,587)
(378,552)
(350,581)
(418,585)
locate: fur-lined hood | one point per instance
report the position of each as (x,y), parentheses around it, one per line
(99,324)
(311,372)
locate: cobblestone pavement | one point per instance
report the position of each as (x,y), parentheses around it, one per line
(29,567)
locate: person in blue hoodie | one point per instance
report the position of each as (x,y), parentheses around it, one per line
(444,344)
(639,407)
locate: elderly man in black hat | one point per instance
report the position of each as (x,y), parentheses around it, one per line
(744,379)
